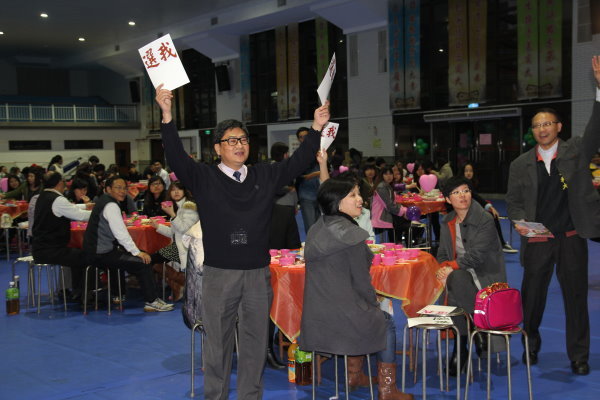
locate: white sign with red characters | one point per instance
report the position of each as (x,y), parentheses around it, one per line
(163,64)
(328,134)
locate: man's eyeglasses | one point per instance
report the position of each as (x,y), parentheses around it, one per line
(457,192)
(543,124)
(232,141)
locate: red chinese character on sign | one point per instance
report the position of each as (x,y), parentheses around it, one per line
(165,51)
(150,60)
(330,132)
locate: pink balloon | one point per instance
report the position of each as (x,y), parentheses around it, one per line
(410,167)
(428,182)
(172,177)
(343,169)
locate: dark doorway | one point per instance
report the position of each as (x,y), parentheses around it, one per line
(123,157)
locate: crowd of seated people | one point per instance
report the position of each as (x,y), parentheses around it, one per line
(99,196)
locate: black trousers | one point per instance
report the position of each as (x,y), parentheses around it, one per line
(461,293)
(67,257)
(570,254)
(126,262)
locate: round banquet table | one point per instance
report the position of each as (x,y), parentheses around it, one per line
(412,281)
(145,237)
(133,189)
(426,207)
(14,209)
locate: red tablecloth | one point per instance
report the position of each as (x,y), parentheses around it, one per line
(14,209)
(413,282)
(145,237)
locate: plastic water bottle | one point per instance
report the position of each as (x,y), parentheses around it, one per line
(12,299)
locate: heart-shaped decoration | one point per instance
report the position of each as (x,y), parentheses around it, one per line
(410,167)
(428,182)
(343,169)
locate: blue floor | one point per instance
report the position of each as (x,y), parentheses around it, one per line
(132,355)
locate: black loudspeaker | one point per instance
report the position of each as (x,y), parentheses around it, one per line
(222,74)
(134,90)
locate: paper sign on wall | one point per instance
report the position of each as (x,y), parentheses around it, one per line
(327,81)
(163,64)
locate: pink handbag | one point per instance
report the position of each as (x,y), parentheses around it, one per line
(498,307)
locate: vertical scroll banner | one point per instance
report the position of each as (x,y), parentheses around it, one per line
(281,72)
(163,64)
(322,38)
(527,30)
(245,82)
(550,17)
(412,94)
(458,63)
(396,53)
(293,72)
(477,50)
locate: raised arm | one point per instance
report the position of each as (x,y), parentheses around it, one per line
(591,137)
(323,168)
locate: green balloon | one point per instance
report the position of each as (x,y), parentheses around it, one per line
(421,151)
(420,141)
(425,145)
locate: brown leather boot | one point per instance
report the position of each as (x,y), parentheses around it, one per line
(356,376)
(386,374)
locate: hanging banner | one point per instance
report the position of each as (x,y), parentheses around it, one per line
(527,59)
(477,50)
(293,71)
(412,95)
(550,48)
(458,62)
(396,53)
(281,72)
(245,82)
(322,36)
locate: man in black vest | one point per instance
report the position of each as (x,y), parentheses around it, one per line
(108,244)
(52,230)
(551,184)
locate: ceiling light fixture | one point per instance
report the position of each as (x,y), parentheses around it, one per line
(81,39)
(131,23)
(1,33)
(44,15)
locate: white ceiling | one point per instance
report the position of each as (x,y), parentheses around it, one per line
(111,42)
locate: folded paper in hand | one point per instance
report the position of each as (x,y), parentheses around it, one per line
(535,229)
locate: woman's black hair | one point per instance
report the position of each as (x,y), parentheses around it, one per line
(54,160)
(454,182)
(13,176)
(180,186)
(474,180)
(151,205)
(331,193)
(38,172)
(384,170)
(76,184)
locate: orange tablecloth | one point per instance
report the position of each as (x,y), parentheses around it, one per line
(14,209)
(145,237)
(413,282)
(133,189)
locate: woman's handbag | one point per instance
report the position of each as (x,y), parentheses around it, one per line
(498,307)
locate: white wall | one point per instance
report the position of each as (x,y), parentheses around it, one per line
(42,157)
(371,128)
(229,103)
(583,82)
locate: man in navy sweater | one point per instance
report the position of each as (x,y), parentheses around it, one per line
(235,203)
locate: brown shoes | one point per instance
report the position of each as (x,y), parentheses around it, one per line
(356,376)
(386,375)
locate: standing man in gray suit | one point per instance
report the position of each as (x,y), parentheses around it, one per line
(551,184)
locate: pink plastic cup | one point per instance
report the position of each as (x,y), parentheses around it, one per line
(402,254)
(285,252)
(413,253)
(388,245)
(273,252)
(368,241)
(137,222)
(73,224)
(389,253)
(166,204)
(285,261)
(398,246)
(389,260)
(377,259)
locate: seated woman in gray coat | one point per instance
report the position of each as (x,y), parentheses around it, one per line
(341,314)
(470,254)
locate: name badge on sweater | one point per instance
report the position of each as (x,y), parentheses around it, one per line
(239,237)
